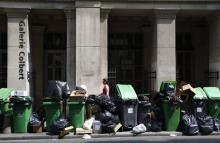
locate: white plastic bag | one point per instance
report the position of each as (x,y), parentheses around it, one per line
(88,123)
(141,128)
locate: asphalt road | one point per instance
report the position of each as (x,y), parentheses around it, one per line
(148,139)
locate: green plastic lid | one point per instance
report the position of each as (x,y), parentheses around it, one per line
(5,93)
(126,92)
(213,93)
(199,94)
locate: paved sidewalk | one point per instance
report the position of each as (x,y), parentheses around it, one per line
(26,136)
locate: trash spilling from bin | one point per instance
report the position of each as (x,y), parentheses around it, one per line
(176,107)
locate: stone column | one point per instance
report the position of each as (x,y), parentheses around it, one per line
(71,48)
(164,51)
(214,47)
(104,42)
(88,62)
(37,48)
(18,50)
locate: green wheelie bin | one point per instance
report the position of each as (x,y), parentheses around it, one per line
(76,113)
(4,104)
(52,111)
(22,109)
(199,101)
(213,94)
(171,112)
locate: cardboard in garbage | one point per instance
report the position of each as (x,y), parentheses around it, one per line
(185,90)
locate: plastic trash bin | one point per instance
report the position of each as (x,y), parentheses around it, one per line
(4,104)
(52,111)
(200,100)
(171,112)
(171,116)
(213,94)
(76,113)
(127,105)
(22,108)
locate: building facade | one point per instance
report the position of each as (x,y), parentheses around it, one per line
(140,42)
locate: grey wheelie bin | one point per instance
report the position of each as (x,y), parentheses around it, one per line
(127,104)
(199,101)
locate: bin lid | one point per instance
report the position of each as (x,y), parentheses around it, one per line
(126,92)
(213,93)
(199,94)
(5,93)
(162,86)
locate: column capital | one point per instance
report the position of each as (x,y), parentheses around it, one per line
(17,13)
(70,13)
(87,4)
(165,14)
(104,13)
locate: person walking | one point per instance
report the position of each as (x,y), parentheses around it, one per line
(105,89)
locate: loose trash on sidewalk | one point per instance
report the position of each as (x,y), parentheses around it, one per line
(65,132)
(80,131)
(97,127)
(139,129)
(86,136)
(88,123)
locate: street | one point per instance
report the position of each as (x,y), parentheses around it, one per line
(137,139)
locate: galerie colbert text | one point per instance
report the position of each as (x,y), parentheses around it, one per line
(22,48)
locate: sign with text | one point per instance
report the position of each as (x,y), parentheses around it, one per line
(18,53)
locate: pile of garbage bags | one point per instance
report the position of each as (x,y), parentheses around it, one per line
(202,123)
(107,113)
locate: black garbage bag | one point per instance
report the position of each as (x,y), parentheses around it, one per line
(189,125)
(155,126)
(20,99)
(58,90)
(101,116)
(93,100)
(216,125)
(35,120)
(108,127)
(107,104)
(106,116)
(58,126)
(205,123)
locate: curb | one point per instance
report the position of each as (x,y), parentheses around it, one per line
(35,136)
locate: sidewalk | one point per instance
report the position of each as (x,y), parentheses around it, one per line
(31,136)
